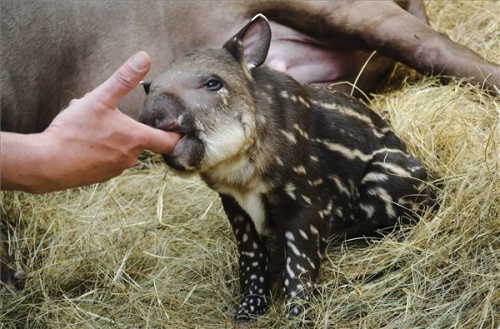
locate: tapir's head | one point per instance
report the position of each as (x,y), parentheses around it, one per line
(207,96)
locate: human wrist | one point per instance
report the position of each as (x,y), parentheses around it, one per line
(28,163)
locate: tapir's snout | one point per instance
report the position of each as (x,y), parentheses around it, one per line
(165,112)
(159,120)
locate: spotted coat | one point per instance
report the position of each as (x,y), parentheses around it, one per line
(291,162)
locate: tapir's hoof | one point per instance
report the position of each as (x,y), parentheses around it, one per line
(19,275)
(11,284)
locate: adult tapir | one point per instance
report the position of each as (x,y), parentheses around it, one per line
(53,51)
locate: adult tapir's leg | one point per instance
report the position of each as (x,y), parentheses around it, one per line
(394,33)
(414,7)
(69,47)
(8,277)
(386,27)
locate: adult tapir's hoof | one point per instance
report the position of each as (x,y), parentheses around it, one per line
(10,280)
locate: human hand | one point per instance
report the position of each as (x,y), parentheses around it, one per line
(91,140)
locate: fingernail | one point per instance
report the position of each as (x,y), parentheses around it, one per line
(140,61)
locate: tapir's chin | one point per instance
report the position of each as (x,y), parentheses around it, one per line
(187,155)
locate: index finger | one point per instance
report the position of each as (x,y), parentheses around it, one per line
(126,78)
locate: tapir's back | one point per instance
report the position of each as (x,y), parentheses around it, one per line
(335,150)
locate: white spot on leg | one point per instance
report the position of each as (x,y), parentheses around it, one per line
(300,268)
(311,263)
(304,234)
(293,247)
(291,274)
(250,254)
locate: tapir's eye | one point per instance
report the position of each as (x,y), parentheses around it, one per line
(213,84)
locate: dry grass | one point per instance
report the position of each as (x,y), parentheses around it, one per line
(151,250)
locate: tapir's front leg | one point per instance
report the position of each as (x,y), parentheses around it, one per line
(302,260)
(253,263)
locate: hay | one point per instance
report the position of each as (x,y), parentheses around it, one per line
(152,250)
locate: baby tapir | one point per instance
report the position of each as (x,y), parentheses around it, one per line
(293,162)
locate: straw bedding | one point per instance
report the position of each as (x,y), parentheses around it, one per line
(149,249)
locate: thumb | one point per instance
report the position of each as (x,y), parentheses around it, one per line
(126,78)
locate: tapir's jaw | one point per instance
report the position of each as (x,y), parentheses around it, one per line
(187,155)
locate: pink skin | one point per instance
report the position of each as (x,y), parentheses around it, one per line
(309,60)
(322,63)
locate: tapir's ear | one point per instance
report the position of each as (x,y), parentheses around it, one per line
(146,85)
(251,44)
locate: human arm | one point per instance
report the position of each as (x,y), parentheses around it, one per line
(89,142)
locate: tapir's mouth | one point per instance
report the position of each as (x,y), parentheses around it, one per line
(181,130)
(189,151)
(187,154)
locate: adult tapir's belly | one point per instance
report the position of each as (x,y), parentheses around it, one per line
(53,52)
(312,61)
